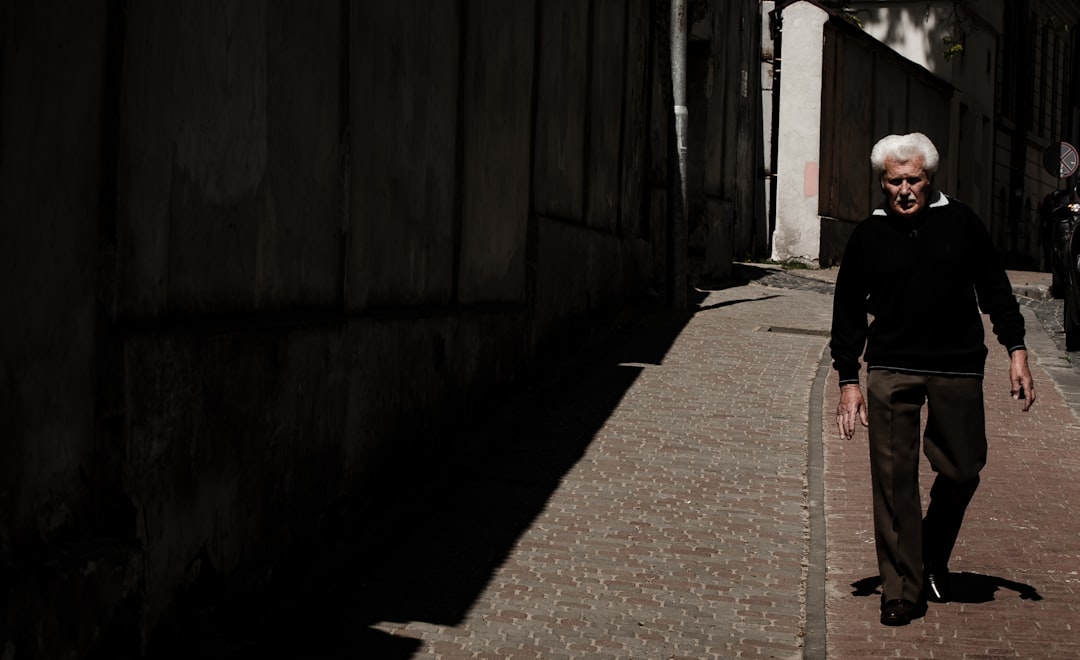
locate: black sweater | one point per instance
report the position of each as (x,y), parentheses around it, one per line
(923,280)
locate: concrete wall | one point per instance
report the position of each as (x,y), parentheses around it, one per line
(261,256)
(725,159)
(732,191)
(922,33)
(798,233)
(59,473)
(869,92)
(841,91)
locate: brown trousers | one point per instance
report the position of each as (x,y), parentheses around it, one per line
(955,444)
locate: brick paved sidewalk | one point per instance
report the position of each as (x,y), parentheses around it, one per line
(683,495)
(681,531)
(1018,556)
(654,506)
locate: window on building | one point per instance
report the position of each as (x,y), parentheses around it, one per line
(1039,38)
(1004,80)
(1068,47)
(1055,91)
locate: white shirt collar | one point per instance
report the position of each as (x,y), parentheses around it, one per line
(941,199)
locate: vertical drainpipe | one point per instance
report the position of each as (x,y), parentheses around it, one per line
(677,204)
(776,23)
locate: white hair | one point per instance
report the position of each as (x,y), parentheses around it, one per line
(903,148)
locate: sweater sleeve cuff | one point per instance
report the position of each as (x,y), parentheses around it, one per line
(848,378)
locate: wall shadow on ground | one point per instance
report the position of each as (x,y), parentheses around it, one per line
(428,558)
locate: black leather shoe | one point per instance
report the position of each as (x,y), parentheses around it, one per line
(937,588)
(897,612)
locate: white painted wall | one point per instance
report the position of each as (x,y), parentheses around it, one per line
(798,228)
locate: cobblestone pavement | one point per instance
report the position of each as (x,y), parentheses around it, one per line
(678,526)
(1016,561)
(681,494)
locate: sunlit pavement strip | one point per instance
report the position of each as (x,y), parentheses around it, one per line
(683,529)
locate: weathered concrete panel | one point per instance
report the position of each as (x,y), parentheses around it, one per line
(219,158)
(855,138)
(606,113)
(749,220)
(660,227)
(849,191)
(559,171)
(732,115)
(498,122)
(724,158)
(404,63)
(930,114)
(581,271)
(230,170)
(567,259)
(240,440)
(54,222)
(904,98)
(634,198)
(51,74)
(234,440)
(660,97)
(148,134)
(719,249)
(890,101)
(411,380)
(721,94)
(834,238)
(300,250)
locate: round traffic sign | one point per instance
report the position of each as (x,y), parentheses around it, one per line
(1061,160)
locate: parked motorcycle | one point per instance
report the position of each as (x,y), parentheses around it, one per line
(1060,215)
(1072,288)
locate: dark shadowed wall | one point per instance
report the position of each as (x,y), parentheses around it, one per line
(868,92)
(256,257)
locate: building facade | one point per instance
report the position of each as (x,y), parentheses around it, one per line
(993,83)
(1013,65)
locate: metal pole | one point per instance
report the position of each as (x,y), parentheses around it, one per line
(677,174)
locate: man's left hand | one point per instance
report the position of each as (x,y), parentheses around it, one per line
(1021,385)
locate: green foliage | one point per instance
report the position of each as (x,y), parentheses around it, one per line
(959,22)
(952,48)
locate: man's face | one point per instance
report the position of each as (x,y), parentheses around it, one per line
(906,186)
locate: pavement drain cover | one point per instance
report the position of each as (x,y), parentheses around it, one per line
(797,331)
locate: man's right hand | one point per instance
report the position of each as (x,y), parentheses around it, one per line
(851,406)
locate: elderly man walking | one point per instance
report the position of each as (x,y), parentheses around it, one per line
(922,265)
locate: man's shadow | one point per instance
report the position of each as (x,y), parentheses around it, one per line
(966,588)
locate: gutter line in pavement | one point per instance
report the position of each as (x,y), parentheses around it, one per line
(814,644)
